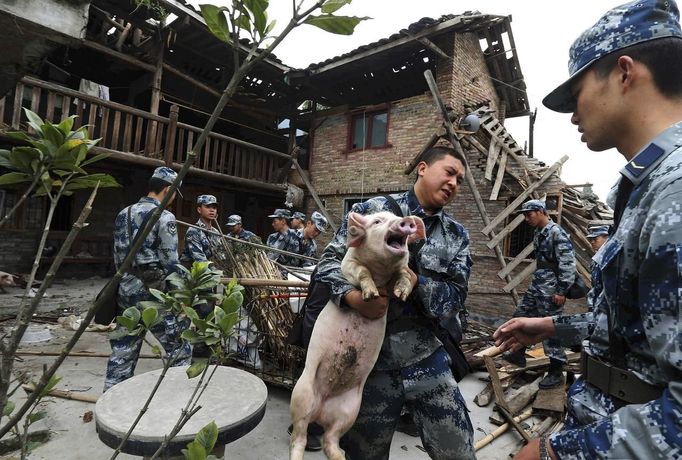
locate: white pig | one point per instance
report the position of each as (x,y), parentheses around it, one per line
(6,280)
(344,344)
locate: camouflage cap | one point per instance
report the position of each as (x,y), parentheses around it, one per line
(320,221)
(283,213)
(234,219)
(298,215)
(601,230)
(533,205)
(206,200)
(167,175)
(620,27)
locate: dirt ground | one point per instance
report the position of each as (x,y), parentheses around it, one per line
(72,427)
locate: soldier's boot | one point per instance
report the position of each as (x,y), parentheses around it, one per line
(555,375)
(516,357)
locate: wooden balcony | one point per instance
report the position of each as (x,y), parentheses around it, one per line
(143,138)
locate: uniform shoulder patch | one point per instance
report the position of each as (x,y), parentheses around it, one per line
(172,227)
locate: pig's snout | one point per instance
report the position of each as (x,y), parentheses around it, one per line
(407,227)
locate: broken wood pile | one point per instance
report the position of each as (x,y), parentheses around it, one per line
(517,395)
(582,210)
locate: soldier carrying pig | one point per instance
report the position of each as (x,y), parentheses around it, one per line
(413,368)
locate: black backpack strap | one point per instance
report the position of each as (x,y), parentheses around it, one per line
(394,206)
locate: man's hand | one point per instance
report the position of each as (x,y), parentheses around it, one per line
(531,451)
(517,333)
(370,309)
(559,299)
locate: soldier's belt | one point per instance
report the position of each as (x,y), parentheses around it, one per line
(617,382)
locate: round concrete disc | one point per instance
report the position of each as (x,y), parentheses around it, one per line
(234,399)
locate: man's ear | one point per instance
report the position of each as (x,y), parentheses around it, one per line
(627,70)
(421,167)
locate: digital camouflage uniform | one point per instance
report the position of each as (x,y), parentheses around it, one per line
(309,246)
(552,245)
(641,270)
(199,245)
(247,236)
(413,368)
(157,258)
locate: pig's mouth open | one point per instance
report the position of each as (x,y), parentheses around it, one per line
(397,243)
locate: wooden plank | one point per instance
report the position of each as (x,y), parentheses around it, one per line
(523,195)
(493,153)
(18,100)
(500,176)
(223,155)
(128,132)
(506,231)
(138,135)
(206,155)
(35,99)
(215,154)
(528,271)
(551,399)
(499,397)
(520,257)
(92,117)
(2,109)
(181,150)
(104,127)
(490,351)
(312,191)
(49,111)
(115,131)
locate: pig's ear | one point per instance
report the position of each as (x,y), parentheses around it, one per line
(356,229)
(420,234)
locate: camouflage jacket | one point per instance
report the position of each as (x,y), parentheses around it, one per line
(641,276)
(553,246)
(308,248)
(287,241)
(159,249)
(199,245)
(442,265)
(247,236)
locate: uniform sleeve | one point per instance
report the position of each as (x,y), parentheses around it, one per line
(444,294)
(168,242)
(573,329)
(565,257)
(194,248)
(650,430)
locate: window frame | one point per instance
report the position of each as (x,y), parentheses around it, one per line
(368,113)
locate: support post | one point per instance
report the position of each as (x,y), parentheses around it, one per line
(169,149)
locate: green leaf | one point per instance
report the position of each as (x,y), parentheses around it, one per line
(211,340)
(156,350)
(191,314)
(196,368)
(9,408)
(54,380)
(18,135)
(269,28)
(66,125)
(232,302)
(34,417)
(14,178)
(53,135)
(227,323)
(34,120)
(332,5)
(150,317)
(129,319)
(216,21)
(195,451)
(101,156)
(207,436)
(4,159)
(191,336)
(244,22)
(341,25)
(22,157)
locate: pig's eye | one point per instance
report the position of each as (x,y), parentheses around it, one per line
(377,221)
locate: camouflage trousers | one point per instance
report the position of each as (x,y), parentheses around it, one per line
(125,351)
(430,392)
(536,305)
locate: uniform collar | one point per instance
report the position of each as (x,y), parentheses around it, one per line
(416,208)
(200,223)
(545,230)
(148,199)
(653,154)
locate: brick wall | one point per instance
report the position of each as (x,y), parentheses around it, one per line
(338,174)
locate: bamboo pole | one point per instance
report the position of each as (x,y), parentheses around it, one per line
(64,394)
(77,354)
(500,430)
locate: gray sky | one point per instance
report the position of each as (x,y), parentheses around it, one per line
(543,32)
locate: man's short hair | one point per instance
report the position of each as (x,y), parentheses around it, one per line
(663,58)
(438,152)
(157,185)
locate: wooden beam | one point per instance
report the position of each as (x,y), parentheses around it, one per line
(500,176)
(520,257)
(528,271)
(525,194)
(506,231)
(493,153)
(118,55)
(429,143)
(312,191)
(499,398)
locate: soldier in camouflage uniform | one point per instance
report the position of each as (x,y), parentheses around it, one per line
(413,368)
(157,258)
(553,276)
(316,225)
(625,92)
(284,238)
(199,245)
(597,236)
(298,222)
(236,230)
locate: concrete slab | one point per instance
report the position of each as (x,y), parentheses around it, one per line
(74,435)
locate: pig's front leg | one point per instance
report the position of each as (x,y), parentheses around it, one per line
(364,279)
(402,287)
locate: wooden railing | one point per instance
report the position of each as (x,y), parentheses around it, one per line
(133,131)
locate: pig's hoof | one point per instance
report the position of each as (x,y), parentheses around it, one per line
(402,292)
(370,294)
